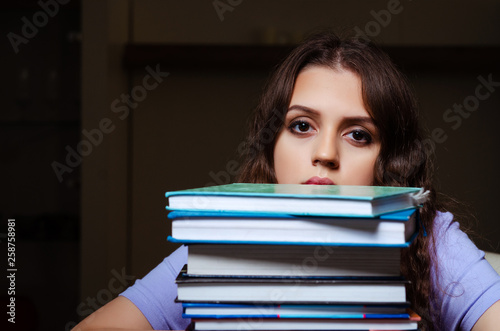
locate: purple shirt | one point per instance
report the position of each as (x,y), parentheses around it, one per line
(467,285)
(155,294)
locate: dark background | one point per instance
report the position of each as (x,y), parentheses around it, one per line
(83,237)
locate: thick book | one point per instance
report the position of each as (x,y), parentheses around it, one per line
(289,290)
(208,310)
(395,228)
(306,324)
(296,199)
(293,260)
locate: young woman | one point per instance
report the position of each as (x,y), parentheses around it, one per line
(339,112)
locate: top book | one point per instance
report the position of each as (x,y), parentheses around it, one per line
(297,199)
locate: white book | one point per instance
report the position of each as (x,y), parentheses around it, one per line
(304,324)
(289,290)
(293,260)
(224,227)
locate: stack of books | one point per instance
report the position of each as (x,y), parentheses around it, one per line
(294,257)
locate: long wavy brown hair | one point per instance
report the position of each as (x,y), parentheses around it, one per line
(403,159)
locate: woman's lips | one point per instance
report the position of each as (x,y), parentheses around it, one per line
(319,181)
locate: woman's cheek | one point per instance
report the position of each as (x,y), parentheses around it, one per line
(286,160)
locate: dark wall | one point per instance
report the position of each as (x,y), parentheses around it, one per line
(186,132)
(39,116)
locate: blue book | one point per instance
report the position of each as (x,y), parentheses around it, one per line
(393,229)
(211,310)
(295,199)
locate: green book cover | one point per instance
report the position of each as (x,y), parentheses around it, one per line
(297,199)
(299,190)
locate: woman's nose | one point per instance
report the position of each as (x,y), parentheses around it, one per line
(325,152)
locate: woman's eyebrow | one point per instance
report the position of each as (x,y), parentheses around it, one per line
(348,119)
(358,119)
(304,109)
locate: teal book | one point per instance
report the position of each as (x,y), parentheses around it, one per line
(297,199)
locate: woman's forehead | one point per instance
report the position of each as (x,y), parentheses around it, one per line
(328,90)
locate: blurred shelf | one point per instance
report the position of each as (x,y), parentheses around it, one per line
(249,57)
(204,56)
(30,5)
(46,227)
(446,58)
(39,123)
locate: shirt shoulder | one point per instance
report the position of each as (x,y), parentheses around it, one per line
(464,283)
(155,294)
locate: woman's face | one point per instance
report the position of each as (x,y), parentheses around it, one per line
(328,137)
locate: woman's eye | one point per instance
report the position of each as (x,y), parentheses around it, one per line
(300,127)
(360,136)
